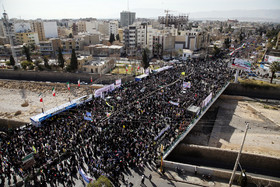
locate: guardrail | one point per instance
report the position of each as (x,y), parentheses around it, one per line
(193,123)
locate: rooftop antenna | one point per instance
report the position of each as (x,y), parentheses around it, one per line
(127,5)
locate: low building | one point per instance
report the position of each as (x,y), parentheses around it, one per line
(5,50)
(50,47)
(81,61)
(101,50)
(100,66)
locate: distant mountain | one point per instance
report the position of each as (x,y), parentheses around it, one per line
(269,15)
(241,15)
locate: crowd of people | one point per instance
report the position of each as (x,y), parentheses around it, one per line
(122,130)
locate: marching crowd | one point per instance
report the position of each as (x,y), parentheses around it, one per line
(106,136)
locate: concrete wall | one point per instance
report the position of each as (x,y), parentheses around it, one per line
(220,173)
(215,157)
(7,124)
(59,76)
(262,92)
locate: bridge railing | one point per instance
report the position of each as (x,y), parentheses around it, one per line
(193,122)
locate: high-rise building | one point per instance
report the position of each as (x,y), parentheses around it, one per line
(113,27)
(127,18)
(38,26)
(50,29)
(130,40)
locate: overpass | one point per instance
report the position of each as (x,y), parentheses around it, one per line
(193,123)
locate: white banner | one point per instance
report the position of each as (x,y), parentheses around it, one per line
(271,59)
(241,64)
(173,103)
(206,100)
(147,71)
(186,84)
(99,92)
(118,82)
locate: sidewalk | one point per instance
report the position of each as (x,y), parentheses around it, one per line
(170,178)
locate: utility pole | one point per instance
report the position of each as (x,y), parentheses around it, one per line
(238,156)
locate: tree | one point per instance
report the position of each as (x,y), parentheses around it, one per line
(241,37)
(60,58)
(159,49)
(101,181)
(12,60)
(26,51)
(46,62)
(274,67)
(70,35)
(227,43)
(118,37)
(74,61)
(112,38)
(145,58)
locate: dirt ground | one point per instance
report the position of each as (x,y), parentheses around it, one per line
(13,95)
(226,126)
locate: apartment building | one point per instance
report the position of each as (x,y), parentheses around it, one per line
(38,27)
(81,26)
(120,32)
(50,29)
(22,27)
(27,38)
(113,27)
(50,47)
(130,40)
(127,18)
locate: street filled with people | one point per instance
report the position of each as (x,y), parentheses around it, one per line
(108,135)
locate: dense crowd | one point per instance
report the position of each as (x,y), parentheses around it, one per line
(125,130)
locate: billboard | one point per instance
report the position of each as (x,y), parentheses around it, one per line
(241,64)
(271,59)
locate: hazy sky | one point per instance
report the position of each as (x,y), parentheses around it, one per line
(48,9)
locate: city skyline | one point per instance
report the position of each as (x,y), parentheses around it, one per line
(52,9)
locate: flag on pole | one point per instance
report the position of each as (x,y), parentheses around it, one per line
(90,79)
(126,68)
(40,97)
(68,86)
(53,91)
(79,83)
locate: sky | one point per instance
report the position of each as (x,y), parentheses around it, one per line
(102,9)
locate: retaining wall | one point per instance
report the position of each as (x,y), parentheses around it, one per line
(263,92)
(225,159)
(60,76)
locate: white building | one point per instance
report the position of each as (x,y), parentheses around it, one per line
(91,27)
(130,40)
(113,27)
(22,27)
(50,29)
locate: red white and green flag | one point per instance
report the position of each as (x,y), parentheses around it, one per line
(68,86)
(79,84)
(53,91)
(40,97)
(126,68)
(90,79)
